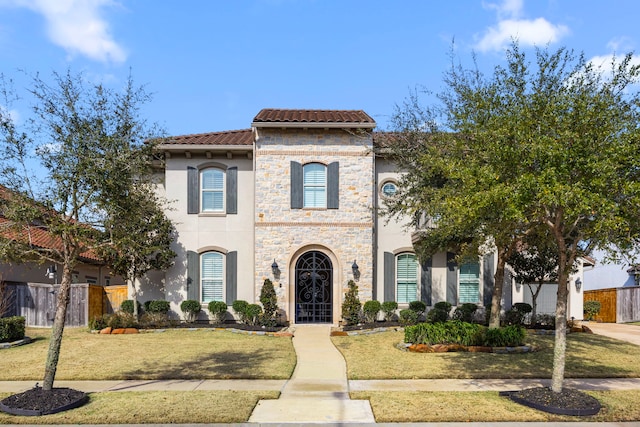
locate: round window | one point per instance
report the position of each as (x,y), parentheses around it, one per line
(389,189)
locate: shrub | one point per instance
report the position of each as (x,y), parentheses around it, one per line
(389,309)
(351,305)
(127,306)
(12,328)
(418,307)
(509,336)
(190,308)
(99,322)
(439,313)
(517,314)
(157,306)
(155,320)
(269,301)
(591,309)
(252,313)
(408,317)
(121,319)
(454,332)
(218,310)
(465,312)
(371,310)
(240,308)
(546,320)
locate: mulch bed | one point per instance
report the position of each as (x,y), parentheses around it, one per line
(37,401)
(567,402)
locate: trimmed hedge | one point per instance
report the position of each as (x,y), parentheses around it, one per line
(157,306)
(464,333)
(11,328)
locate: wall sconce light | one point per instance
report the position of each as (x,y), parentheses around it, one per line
(274,268)
(355,270)
(51,272)
(578,284)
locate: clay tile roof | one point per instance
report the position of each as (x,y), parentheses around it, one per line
(39,237)
(232,137)
(324,117)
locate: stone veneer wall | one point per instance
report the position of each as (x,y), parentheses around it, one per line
(283,234)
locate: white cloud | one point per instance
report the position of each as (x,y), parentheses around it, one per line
(77,26)
(510,27)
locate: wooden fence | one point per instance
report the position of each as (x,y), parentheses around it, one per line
(617,304)
(36,302)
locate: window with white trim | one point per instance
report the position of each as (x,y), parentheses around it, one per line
(315,185)
(406,278)
(469,285)
(211,277)
(212,190)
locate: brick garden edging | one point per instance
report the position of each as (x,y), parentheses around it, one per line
(340,333)
(107,331)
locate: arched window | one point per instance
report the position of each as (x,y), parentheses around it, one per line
(315,185)
(211,276)
(212,190)
(406,278)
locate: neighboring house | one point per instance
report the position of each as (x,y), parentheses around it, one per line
(294,199)
(605,275)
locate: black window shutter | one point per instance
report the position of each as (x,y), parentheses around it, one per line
(425,283)
(389,277)
(232,277)
(333,185)
(487,279)
(232,190)
(297,190)
(193,191)
(452,279)
(193,275)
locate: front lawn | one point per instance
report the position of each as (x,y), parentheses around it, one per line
(588,356)
(173,354)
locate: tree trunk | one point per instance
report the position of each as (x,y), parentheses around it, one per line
(534,302)
(496,298)
(55,342)
(560,346)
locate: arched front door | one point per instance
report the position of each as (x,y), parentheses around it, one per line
(314,285)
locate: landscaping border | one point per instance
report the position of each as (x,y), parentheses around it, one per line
(23,341)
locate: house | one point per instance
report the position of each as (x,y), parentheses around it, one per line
(294,199)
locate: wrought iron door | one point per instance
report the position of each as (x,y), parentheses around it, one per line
(314,286)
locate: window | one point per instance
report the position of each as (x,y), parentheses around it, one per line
(389,189)
(406,278)
(315,185)
(212,190)
(469,288)
(211,275)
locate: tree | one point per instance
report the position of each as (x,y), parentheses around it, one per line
(89,142)
(534,264)
(545,144)
(139,236)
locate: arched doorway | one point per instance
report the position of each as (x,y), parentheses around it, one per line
(314,288)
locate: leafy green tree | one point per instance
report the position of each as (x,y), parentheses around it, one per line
(89,141)
(551,143)
(534,264)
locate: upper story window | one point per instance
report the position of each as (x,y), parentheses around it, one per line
(315,185)
(212,190)
(389,189)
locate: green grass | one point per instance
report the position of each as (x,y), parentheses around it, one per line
(173,354)
(413,407)
(158,407)
(588,356)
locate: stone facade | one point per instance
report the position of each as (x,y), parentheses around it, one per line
(283,234)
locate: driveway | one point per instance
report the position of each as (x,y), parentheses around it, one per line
(620,331)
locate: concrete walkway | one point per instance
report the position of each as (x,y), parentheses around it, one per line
(318,390)
(619,331)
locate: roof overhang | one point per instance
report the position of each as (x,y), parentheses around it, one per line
(308,125)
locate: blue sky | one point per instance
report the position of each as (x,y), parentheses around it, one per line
(213,64)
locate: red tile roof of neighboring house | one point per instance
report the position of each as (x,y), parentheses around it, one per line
(336,117)
(232,137)
(39,237)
